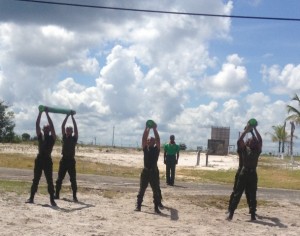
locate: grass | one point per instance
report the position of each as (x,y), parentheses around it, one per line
(272,172)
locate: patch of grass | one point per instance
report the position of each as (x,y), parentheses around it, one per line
(19,187)
(270,173)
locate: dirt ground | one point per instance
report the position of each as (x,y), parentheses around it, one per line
(106,206)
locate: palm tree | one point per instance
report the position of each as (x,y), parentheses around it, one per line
(295,116)
(280,136)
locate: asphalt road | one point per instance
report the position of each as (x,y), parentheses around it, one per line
(132,185)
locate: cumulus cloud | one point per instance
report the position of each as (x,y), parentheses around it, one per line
(283,80)
(117,69)
(231,80)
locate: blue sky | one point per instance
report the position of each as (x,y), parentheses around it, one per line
(117,68)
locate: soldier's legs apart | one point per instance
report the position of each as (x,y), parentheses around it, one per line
(72,174)
(37,173)
(240,187)
(154,183)
(144,180)
(48,170)
(62,170)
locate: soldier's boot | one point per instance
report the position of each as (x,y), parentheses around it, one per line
(156,209)
(253,216)
(30,199)
(75,197)
(161,206)
(230,215)
(53,203)
(138,207)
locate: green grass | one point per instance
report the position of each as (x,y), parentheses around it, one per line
(272,172)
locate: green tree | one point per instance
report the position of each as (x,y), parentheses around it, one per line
(7,124)
(279,135)
(295,113)
(25,137)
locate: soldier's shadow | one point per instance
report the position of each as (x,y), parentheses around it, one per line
(79,206)
(173,213)
(269,221)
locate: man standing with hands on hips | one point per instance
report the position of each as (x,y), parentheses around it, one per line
(171,156)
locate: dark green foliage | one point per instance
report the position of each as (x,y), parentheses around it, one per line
(7,124)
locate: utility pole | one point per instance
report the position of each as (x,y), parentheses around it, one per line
(113,137)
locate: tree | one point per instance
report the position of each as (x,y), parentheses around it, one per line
(295,116)
(7,124)
(280,136)
(182,146)
(25,137)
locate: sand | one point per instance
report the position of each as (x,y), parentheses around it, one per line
(101,212)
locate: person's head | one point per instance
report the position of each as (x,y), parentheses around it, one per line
(172,138)
(252,143)
(69,131)
(46,129)
(151,142)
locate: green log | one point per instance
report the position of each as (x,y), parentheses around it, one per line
(56,110)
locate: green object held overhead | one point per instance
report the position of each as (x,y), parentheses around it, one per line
(150,123)
(56,110)
(252,122)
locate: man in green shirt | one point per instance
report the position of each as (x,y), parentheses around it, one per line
(171,156)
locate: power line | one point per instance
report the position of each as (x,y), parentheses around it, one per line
(163,12)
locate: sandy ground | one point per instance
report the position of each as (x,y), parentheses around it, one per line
(101,213)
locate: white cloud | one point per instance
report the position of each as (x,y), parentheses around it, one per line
(230,81)
(283,81)
(140,66)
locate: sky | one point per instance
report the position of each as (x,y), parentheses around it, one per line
(117,69)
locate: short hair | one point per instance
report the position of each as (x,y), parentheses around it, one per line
(172,136)
(70,127)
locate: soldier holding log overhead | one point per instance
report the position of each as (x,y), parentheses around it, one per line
(67,162)
(43,161)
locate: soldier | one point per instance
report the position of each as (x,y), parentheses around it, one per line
(43,161)
(150,174)
(247,178)
(67,162)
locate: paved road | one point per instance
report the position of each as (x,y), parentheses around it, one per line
(132,185)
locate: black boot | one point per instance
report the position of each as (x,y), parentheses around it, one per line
(230,215)
(253,216)
(156,209)
(161,206)
(138,207)
(30,199)
(53,203)
(75,197)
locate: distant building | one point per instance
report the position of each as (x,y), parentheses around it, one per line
(219,142)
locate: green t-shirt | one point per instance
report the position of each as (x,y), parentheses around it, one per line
(171,149)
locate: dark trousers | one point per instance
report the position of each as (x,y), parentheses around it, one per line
(65,166)
(170,169)
(42,164)
(152,177)
(247,179)
(234,188)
